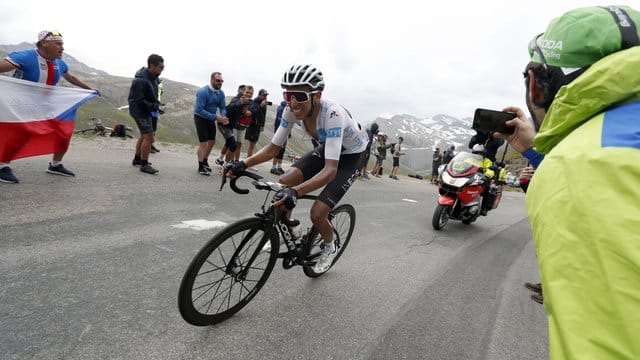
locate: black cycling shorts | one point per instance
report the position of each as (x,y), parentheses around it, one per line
(252,133)
(205,128)
(396,161)
(312,162)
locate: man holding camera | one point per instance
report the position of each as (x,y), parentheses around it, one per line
(582,89)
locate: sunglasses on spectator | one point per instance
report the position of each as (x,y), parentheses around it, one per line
(299,96)
(533,46)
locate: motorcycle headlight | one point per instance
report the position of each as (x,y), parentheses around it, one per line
(450,180)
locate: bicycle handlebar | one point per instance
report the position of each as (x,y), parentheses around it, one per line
(257,183)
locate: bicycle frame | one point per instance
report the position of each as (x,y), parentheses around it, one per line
(274,220)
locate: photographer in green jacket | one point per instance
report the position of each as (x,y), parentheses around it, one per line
(583,91)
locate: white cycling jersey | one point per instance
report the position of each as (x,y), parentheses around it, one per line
(336,129)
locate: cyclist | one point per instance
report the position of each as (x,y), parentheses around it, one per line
(332,164)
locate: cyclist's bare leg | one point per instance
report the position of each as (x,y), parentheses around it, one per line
(320,219)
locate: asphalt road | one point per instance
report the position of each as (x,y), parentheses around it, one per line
(90,268)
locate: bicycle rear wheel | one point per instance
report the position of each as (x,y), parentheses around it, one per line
(343,220)
(220,281)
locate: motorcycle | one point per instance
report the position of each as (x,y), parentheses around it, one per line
(461,185)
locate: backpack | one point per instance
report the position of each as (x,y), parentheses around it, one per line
(393,148)
(119,130)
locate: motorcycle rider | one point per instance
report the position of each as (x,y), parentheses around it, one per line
(489,169)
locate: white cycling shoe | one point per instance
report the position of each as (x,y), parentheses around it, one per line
(325,259)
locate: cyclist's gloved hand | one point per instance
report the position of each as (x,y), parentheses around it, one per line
(235,167)
(287,197)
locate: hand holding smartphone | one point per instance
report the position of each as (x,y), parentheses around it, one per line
(493,121)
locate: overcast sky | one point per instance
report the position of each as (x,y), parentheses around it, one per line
(379,58)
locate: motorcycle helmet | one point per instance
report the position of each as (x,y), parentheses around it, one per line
(478,149)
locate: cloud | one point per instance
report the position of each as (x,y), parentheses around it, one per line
(378,58)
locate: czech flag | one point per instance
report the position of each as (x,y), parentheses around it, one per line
(37,119)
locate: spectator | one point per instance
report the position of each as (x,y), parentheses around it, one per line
(210,99)
(228,130)
(435,164)
(43,64)
(381,153)
(448,154)
(396,158)
(276,167)
(252,133)
(583,96)
(143,100)
(371,133)
(240,112)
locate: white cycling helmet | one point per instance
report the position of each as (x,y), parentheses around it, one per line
(307,74)
(478,149)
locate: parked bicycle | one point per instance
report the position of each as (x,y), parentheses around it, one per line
(234,265)
(99,129)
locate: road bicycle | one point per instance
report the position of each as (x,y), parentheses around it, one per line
(232,267)
(99,129)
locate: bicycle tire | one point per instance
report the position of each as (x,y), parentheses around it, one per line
(209,273)
(343,220)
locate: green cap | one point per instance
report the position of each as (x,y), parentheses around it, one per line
(583,36)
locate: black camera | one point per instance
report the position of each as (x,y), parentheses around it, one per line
(269,103)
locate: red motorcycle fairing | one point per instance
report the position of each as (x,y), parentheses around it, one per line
(470,193)
(446,200)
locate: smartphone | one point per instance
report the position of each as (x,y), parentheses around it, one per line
(493,121)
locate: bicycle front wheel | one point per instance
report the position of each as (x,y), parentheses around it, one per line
(227,273)
(343,220)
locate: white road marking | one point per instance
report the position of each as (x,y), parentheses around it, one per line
(164,248)
(200,224)
(409,200)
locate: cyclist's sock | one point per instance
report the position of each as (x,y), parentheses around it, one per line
(200,164)
(205,162)
(144,163)
(330,248)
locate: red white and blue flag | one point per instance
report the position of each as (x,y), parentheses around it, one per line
(37,119)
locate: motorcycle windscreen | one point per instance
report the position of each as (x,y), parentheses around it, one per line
(464,163)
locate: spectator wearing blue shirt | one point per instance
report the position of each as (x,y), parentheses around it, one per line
(210,100)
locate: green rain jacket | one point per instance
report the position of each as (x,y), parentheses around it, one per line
(584,208)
